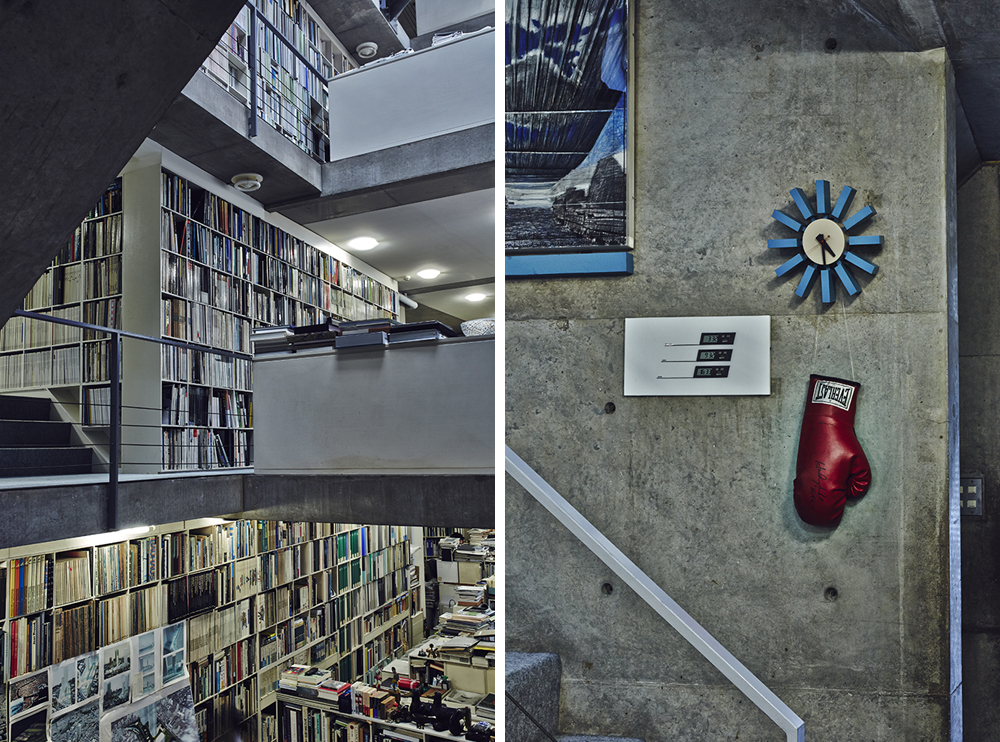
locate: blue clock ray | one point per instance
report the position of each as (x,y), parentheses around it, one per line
(841,266)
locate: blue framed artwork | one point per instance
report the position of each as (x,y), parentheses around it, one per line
(567,169)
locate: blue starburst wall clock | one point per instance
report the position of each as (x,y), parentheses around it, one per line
(824,242)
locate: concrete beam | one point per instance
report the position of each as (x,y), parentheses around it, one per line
(461,501)
(37,514)
(208,127)
(355,21)
(84,85)
(445,165)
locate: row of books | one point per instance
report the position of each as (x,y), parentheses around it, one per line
(97,405)
(205,367)
(124,565)
(197,323)
(200,448)
(96,238)
(102,278)
(74,631)
(205,407)
(208,210)
(224,669)
(71,577)
(29,583)
(30,644)
(130,614)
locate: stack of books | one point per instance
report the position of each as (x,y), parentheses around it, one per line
(309,681)
(289,679)
(487,708)
(271,339)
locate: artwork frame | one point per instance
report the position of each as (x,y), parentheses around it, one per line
(569,113)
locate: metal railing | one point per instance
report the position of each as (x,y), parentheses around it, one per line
(662,603)
(218,454)
(277,83)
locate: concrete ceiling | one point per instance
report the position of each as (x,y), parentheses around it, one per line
(968,30)
(455,235)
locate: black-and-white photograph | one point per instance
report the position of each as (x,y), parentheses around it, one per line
(173,638)
(62,680)
(117,691)
(87,680)
(77,725)
(173,667)
(28,692)
(116,659)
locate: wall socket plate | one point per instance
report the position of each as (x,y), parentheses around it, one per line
(970,492)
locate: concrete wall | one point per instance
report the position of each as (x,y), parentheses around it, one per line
(698,491)
(979,343)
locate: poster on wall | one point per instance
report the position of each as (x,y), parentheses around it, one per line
(145,675)
(79,723)
(73,682)
(567,167)
(29,692)
(167,714)
(174,664)
(116,673)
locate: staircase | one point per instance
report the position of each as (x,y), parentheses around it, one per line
(534,680)
(32,445)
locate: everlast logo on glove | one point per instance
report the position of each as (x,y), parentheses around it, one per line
(831,465)
(833,392)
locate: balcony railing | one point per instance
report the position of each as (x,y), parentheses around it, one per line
(281,81)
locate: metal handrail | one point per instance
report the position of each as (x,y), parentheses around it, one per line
(114,379)
(662,603)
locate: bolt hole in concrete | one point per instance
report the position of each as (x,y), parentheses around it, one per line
(830,593)
(609,408)
(831,45)
(607,588)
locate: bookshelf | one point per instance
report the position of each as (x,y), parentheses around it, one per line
(317,719)
(83,283)
(291,97)
(256,597)
(165,255)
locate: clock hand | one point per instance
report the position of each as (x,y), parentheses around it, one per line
(826,248)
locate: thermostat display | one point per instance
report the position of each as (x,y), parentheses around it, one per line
(697,356)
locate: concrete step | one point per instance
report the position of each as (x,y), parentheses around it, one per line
(23,408)
(594,738)
(45,462)
(33,433)
(533,680)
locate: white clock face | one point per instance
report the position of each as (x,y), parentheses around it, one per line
(823,241)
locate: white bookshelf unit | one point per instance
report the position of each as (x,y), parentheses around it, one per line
(170,256)
(256,596)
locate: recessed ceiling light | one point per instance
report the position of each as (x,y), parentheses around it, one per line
(362,243)
(475,297)
(429,273)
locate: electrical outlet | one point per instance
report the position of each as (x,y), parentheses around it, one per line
(970,491)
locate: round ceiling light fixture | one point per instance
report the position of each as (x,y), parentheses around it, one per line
(475,297)
(247,182)
(429,273)
(362,243)
(366,49)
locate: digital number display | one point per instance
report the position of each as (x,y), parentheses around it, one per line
(715,355)
(711,372)
(718,338)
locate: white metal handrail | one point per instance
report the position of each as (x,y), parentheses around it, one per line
(662,603)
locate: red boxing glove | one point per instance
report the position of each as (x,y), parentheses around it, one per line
(831,465)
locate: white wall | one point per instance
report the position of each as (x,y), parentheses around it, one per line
(435,14)
(423,94)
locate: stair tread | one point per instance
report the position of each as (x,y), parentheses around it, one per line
(594,738)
